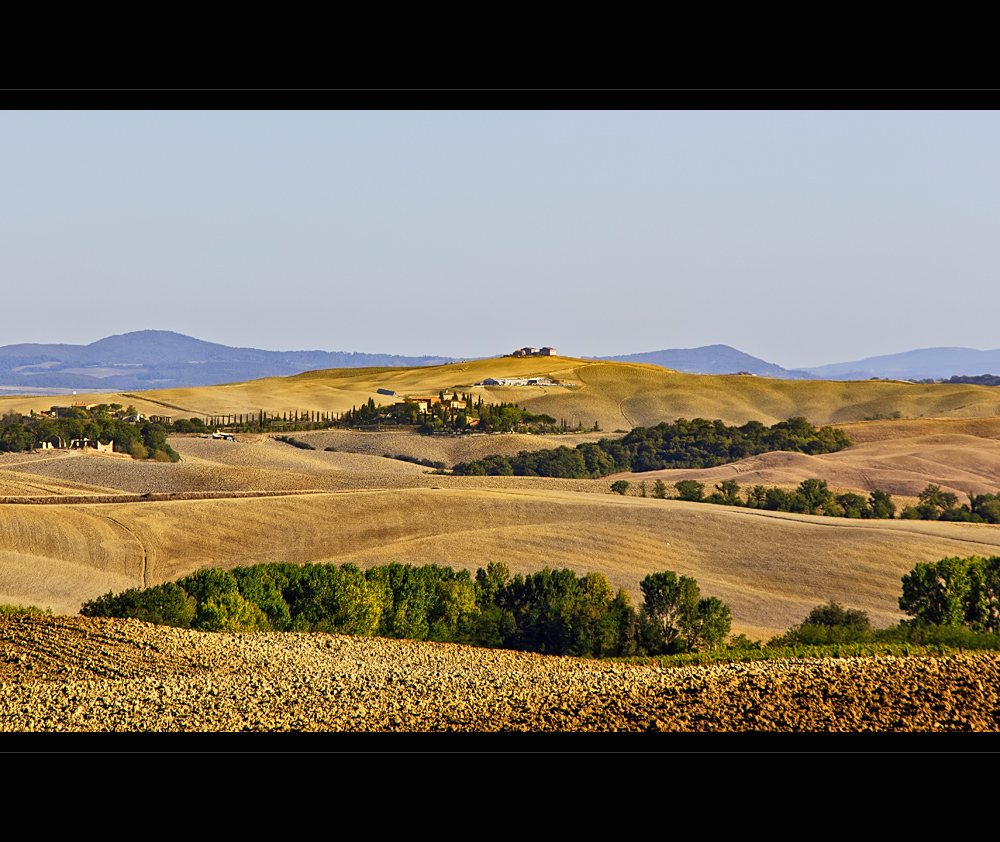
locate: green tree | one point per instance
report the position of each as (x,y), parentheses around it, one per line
(881,505)
(711,625)
(230,612)
(853,505)
(728,492)
(688,489)
(817,497)
(937,593)
(670,605)
(620,486)
(934,496)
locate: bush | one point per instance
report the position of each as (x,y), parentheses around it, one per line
(301,445)
(18,610)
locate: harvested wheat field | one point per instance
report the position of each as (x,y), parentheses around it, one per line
(770,568)
(361,507)
(74,674)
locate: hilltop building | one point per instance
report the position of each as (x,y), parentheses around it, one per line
(534,352)
(518,381)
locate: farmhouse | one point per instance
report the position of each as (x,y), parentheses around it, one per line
(520,381)
(503,381)
(534,352)
(92,444)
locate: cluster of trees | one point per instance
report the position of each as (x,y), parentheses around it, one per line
(683,444)
(812,497)
(955,592)
(954,601)
(826,625)
(937,504)
(488,418)
(975,379)
(105,423)
(554,612)
(499,418)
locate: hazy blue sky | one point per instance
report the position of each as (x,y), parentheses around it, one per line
(801,238)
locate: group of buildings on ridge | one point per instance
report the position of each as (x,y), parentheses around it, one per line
(524,381)
(534,352)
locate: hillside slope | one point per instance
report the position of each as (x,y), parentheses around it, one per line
(615,395)
(771,568)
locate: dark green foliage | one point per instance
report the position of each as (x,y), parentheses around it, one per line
(832,615)
(427,463)
(954,592)
(936,504)
(24,610)
(301,445)
(726,494)
(852,505)
(106,424)
(167,604)
(828,624)
(683,444)
(880,505)
(552,611)
(189,425)
(688,489)
(676,619)
(620,486)
(811,497)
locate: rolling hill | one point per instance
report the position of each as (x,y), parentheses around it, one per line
(365,509)
(615,395)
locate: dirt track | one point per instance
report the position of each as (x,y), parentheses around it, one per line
(74,674)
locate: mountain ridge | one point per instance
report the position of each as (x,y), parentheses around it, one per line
(159,359)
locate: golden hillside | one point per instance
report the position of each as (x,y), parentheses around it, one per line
(616,395)
(362,508)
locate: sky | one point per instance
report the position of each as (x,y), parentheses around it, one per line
(802,238)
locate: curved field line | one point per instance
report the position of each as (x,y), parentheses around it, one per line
(138,540)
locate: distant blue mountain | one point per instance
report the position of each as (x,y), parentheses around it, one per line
(922,364)
(161,359)
(710,359)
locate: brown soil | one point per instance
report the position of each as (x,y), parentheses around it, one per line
(74,674)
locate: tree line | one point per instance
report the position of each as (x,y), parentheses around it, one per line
(937,504)
(812,497)
(952,602)
(683,444)
(554,612)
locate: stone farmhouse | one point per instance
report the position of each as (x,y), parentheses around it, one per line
(534,352)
